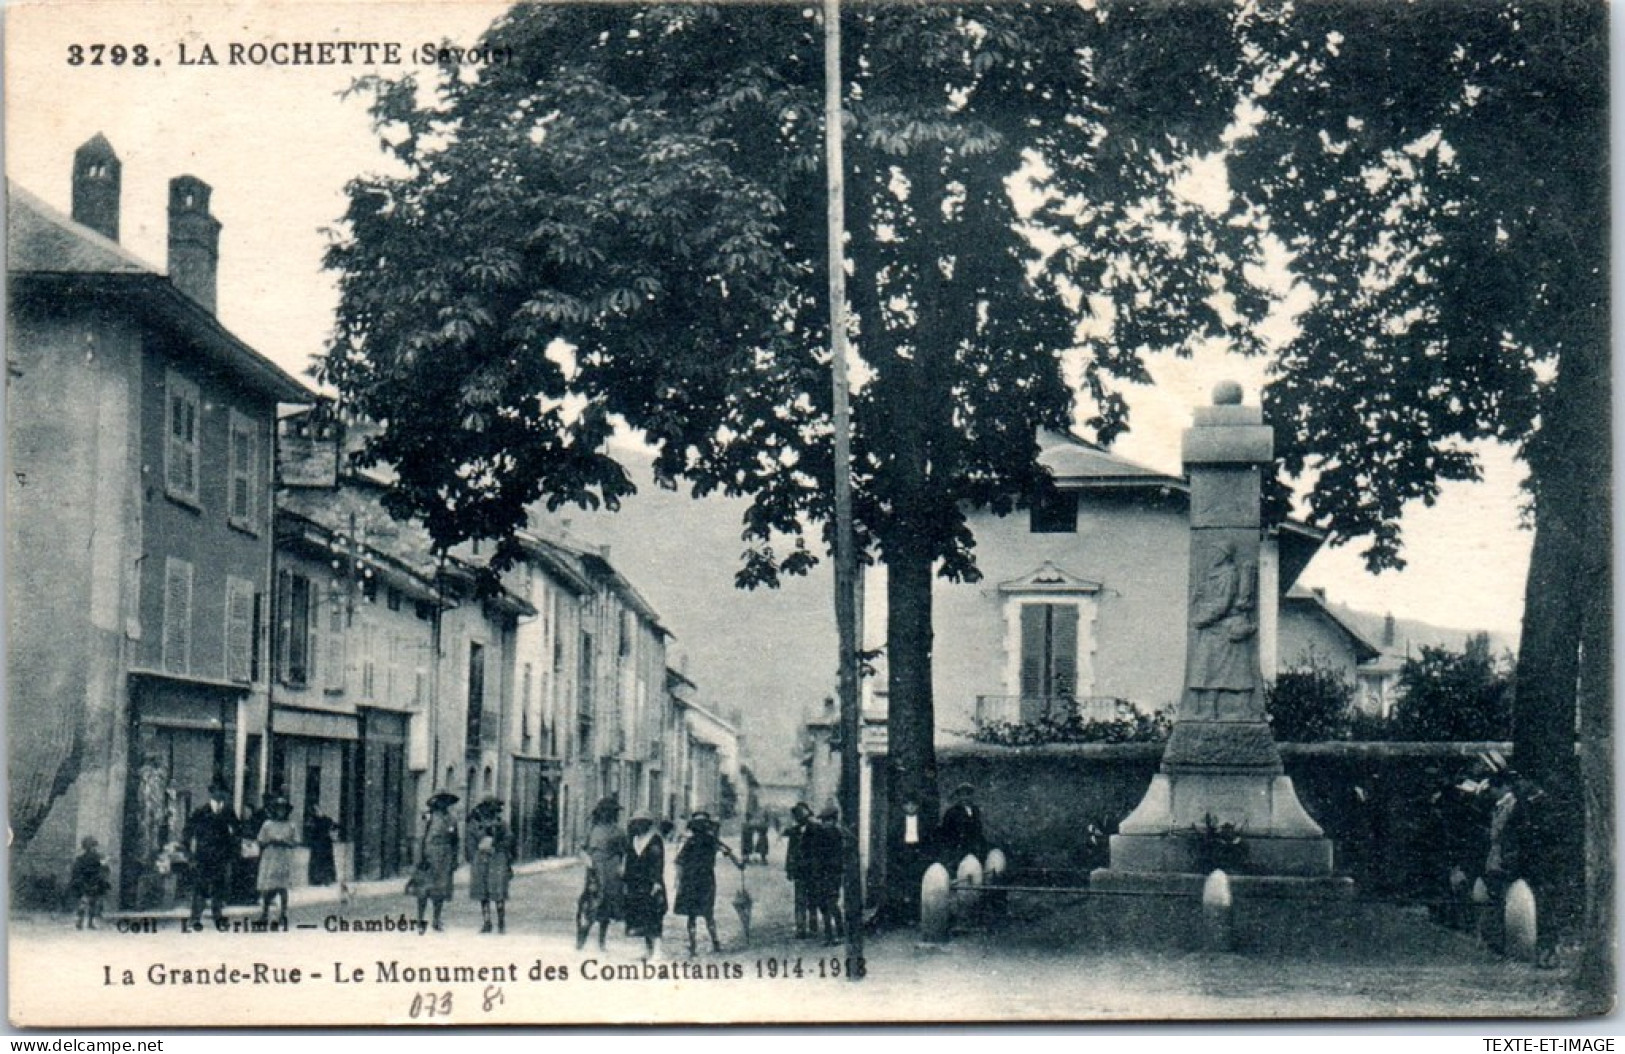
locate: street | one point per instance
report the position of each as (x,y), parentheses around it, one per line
(1049,960)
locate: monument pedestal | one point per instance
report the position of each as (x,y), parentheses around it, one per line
(1222,800)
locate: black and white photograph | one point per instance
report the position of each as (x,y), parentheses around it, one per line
(809,513)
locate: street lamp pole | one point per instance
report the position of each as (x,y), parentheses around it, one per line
(845,557)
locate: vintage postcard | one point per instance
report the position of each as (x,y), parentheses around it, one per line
(428,425)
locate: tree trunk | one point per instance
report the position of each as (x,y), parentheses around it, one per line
(910,714)
(1565,662)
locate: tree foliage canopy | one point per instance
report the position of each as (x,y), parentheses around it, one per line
(627,222)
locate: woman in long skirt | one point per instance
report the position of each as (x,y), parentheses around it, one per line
(438,850)
(645,881)
(606,855)
(697,876)
(491,853)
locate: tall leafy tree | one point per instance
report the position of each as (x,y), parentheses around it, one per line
(626,222)
(1438,174)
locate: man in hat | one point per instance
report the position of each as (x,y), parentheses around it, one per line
(825,849)
(795,864)
(960,832)
(211,838)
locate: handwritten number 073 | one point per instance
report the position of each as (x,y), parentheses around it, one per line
(430,1004)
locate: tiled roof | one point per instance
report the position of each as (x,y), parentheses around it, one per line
(1071,458)
(41,239)
(52,251)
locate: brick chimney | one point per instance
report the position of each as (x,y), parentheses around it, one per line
(194,240)
(1388,630)
(96,185)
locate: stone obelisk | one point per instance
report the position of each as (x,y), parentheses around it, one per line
(1221,766)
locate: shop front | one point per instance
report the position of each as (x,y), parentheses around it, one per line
(182,740)
(314,756)
(381,841)
(535,807)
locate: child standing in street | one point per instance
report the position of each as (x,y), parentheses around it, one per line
(88,883)
(277,838)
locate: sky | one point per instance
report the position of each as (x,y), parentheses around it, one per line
(278,144)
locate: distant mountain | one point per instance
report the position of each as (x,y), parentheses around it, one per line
(1411,635)
(767,653)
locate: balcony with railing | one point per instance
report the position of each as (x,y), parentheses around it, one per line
(993,709)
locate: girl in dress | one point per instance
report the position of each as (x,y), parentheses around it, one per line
(645,883)
(278,838)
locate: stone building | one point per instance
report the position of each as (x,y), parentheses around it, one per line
(139,541)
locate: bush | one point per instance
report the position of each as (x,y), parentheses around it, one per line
(1312,703)
(1131,725)
(1448,695)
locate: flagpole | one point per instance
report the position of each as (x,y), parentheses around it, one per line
(845,557)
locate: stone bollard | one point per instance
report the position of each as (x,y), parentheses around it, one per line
(993,874)
(1218,914)
(1480,898)
(935,893)
(1521,922)
(967,903)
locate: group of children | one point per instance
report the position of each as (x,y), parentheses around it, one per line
(626,876)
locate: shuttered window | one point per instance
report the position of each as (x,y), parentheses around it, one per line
(243,458)
(182,407)
(476,693)
(334,659)
(1049,656)
(177,639)
(239,630)
(295,631)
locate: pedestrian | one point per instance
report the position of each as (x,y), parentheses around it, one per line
(913,856)
(319,833)
(697,876)
(960,833)
(277,838)
(825,850)
(245,876)
(438,849)
(88,882)
(644,881)
(795,865)
(490,850)
(210,836)
(761,839)
(606,856)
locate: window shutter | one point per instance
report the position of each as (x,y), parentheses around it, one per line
(177,639)
(1034,626)
(239,629)
(244,462)
(282,634)
(334,661)
(1063,650)
(312,630)
(181,437)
